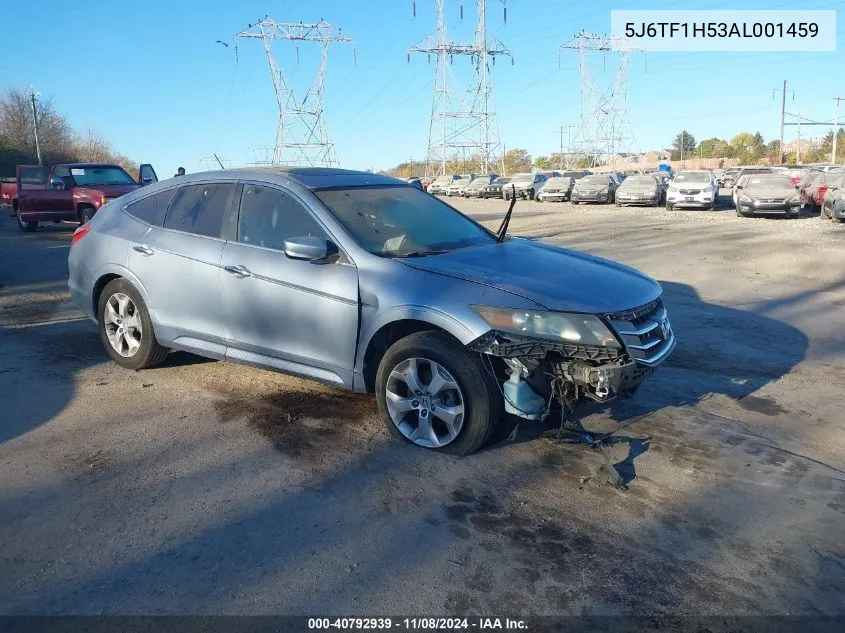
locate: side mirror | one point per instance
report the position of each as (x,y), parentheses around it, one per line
(738,187)
(56,182)
(309,248)
(147,180)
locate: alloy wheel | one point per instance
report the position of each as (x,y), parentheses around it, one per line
(425,402)
(122,324)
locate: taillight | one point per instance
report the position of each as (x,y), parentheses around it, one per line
(79,233)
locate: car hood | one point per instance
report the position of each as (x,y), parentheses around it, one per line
(771,192)
(554,277)
(637,189)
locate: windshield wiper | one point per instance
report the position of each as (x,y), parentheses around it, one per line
(503,228)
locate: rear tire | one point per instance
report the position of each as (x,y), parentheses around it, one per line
(479,394)
(26,227)
(669,207)
(148,353)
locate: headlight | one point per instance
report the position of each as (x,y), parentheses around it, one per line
(744,199)
(555,326)
(796,199)
(603,190)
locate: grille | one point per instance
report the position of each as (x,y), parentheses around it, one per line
(690,192)
(645,332)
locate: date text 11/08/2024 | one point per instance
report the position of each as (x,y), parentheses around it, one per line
(418,624)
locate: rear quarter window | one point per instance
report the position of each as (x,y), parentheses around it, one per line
(199,209)
(151,209)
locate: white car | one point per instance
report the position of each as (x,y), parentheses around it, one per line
(441,183)
(526,185)
(458,186)
(692,189)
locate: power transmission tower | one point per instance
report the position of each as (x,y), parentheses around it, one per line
(302,137)
(462,124)
(603,129)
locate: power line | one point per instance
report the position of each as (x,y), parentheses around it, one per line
(302,136)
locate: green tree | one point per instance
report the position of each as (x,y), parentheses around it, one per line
(683,146)
(748,148)
(517,160)
(713,148)
(543,162)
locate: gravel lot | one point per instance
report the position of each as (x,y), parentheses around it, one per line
(206,487)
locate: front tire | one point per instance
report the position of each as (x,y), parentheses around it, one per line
(436,395)
(23,225)
(126,330)
(85,214)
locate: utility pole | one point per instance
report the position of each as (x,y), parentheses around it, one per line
(798,149)
(32,96)
(568,135)
(835,129)
(782,114)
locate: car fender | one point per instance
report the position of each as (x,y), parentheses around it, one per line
(422,313)
(122,271)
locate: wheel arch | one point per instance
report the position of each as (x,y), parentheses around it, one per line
(110,273)
(401,323)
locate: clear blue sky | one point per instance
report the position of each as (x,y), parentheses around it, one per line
(150,77)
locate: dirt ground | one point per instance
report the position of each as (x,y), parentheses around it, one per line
(207,487)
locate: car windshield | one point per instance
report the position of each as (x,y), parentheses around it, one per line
(575,174)
(88,176)
(692,176)
(502,181)
(443,180)
(461,182)
(478,183)
(593,180)
(558,181)
(769,182)
(401,221)
(523,178)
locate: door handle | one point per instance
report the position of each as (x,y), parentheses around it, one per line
(143,249)
(239,271)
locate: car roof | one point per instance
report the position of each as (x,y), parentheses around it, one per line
(308,177)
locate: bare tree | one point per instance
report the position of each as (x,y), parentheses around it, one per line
(17,130)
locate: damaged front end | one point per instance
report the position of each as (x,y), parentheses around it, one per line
(537,370)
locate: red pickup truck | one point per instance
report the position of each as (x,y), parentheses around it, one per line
(71,191)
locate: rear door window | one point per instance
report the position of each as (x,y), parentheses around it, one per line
(152,208)
(199,209)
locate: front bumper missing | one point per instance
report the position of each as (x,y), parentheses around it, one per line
(598,373)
